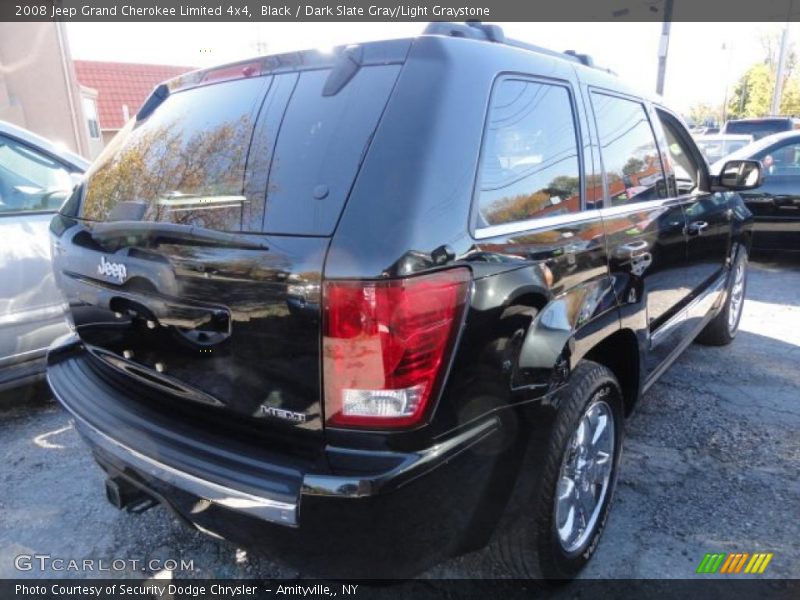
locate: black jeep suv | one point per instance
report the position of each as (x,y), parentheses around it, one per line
(370,309)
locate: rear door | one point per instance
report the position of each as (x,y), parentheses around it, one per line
(32,187)
(193,257)
(644,224)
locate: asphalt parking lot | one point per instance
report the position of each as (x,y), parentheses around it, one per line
(711,464)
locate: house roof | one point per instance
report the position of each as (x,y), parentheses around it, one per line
(119,84)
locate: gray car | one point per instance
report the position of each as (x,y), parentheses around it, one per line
(35,178)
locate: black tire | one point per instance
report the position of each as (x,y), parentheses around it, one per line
(531,548)
(721,330)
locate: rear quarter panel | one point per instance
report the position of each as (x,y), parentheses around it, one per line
(541,297)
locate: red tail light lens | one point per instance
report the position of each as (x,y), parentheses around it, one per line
(386,344)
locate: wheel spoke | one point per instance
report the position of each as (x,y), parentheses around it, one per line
(568,530)
(566,508)
(566,493)
(587,503)
(600,428)
(583,432)
(602,466)
(583,519)
(736,297)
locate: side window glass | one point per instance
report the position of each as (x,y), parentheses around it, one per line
(782,160)
(685,170)
(90,110)
(628,149)
(29,180)
(529,160)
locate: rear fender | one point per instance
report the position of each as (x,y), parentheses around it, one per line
(563,331)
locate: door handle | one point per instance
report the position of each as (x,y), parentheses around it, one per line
(697,227)
(630,250)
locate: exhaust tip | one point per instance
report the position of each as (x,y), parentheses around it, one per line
(126,496)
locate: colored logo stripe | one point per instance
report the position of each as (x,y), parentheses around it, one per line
(734,562)
(758,563)
(710,563)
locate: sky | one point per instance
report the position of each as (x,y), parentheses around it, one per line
(704,58)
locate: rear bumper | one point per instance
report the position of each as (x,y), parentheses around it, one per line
(261,506)
(348,513)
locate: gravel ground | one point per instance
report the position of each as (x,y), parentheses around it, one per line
(711,464)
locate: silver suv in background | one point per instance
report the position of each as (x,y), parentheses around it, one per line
(35,178)
(760,127)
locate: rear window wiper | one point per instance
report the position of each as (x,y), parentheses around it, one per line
(115,230)
(347,64)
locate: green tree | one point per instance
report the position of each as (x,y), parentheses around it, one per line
(752,94)
(790,99)
(633,166)
(702,113)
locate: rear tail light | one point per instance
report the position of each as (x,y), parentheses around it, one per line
(386,345)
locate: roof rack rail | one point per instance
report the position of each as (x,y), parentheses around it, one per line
(584,59)
(476,30)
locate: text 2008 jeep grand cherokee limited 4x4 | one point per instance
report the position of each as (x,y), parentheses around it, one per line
(370,309)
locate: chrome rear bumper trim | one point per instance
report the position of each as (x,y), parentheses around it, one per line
(267,509)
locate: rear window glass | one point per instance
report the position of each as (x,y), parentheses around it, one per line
(197,161)
(184,164)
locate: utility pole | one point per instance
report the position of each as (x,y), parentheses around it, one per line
(726,48)
(778,91)
(663,47)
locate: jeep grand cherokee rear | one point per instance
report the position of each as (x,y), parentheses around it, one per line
(211,355)
(357,309)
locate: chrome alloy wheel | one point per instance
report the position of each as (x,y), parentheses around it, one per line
(737,296)
(585,475)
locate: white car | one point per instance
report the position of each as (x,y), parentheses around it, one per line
(35,179)
(717,146)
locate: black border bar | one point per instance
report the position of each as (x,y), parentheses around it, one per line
(720,588)
(399,10)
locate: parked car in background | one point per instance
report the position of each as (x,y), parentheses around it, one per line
(705,130)
(762,127)
(35,179)
(364,309)
(775,204)
(715,147)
